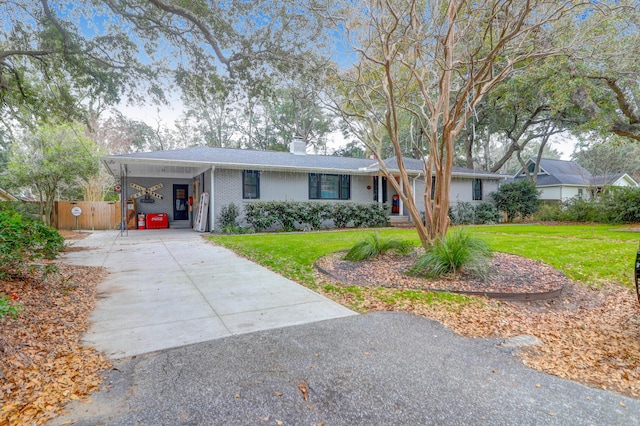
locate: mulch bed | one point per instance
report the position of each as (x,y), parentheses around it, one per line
(508,275)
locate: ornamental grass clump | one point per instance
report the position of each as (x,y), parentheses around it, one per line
(374,246)
(456,252)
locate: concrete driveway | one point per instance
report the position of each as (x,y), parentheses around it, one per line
(170,287)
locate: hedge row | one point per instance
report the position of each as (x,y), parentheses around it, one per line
(289,216)
(618,205)
(465,213)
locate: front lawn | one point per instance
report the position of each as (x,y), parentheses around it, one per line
(591,334)
(591,254)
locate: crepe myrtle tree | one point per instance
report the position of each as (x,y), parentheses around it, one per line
(436,61)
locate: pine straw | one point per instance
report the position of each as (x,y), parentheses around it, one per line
(589,335)
(43,364)
(508,273)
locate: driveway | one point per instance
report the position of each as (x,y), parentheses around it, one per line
(382,368)
(170,287)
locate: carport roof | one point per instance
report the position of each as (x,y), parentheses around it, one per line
(189,162)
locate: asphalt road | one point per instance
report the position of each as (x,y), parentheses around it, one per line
(374,369)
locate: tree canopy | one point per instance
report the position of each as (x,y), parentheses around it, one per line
(52,159)
(437,62)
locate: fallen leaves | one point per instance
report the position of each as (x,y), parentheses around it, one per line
(589,335)
(303,388)
(43,363)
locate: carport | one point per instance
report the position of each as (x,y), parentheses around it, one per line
(152,183)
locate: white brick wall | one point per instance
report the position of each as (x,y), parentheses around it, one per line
(294,186)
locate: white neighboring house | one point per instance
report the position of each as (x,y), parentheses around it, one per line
(560,180)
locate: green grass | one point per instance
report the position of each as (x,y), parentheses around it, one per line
(425,297)
(589,253)
(592,254)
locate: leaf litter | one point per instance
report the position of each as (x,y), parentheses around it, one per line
(43,364)
(590,335)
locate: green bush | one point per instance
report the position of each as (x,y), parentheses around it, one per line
(313,214)
(341,214)
(617,205)
(580,210)
(548,213)
(517,199)
(27,210)
(22,241)
(228,218)
(374,246)
(462,213)
(487,213)
(622,205)
(454,253)
(289,216)
(259,216)
(466,213)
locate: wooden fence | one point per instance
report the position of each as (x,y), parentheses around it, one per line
(100,215)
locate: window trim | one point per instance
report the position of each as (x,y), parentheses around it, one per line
(344,185)
(245,185)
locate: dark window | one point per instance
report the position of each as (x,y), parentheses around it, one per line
(251,184)
(433,187)
(329,187)
(531,167)
(476,188)
(384,189)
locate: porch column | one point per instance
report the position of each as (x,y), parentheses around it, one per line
(380,188)
(401,211)
(212,203)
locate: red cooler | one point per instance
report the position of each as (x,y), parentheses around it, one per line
(157,220)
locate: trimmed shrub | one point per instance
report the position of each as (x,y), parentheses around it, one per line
(313,214)
(487,213)
(289,216)
(462,213)
(466,213)
(454,253)
(341,213)
(259,216)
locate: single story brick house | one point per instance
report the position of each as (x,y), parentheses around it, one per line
(169,181)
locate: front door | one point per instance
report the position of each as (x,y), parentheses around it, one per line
(180,202)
